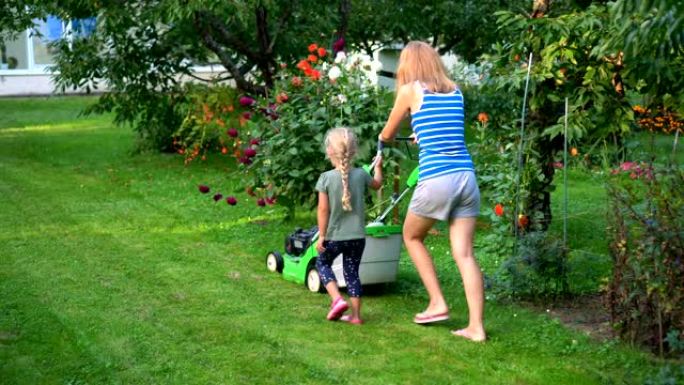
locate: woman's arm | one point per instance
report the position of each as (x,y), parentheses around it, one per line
(402,105)
(323,214)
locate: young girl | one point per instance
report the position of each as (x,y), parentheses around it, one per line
(341,220)
(447,189)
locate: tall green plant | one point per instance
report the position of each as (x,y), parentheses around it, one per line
(646,293)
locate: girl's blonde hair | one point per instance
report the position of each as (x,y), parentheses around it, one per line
(420,62)
(341,145)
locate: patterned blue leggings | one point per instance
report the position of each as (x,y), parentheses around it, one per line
(351,251)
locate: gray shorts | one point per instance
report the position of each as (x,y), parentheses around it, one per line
(445,197)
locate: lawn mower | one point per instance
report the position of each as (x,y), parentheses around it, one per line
(380,259)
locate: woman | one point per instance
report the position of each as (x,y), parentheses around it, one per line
(447,189)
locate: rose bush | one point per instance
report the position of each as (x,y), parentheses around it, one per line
(314,95)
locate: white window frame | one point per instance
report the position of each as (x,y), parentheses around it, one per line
(33,68)
(67,27)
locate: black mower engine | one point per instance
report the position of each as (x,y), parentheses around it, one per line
(297,242)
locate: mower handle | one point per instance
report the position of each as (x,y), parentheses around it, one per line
(381,146)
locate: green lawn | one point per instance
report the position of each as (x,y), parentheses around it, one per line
(115,270)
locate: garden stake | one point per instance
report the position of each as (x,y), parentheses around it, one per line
(565,200)
(565,179)
(520,159)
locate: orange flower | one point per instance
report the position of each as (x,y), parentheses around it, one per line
(638,109)
(313,58)
(224,150)
(573,151)
(315,74)
(281,98)
(296,81)
(483,117)
(322,52)
(303,65)
(313,47)
(499,210)
(220,122)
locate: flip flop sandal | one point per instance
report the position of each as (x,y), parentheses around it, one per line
(338,307)
(424,319)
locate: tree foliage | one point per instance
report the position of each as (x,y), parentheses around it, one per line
(465,27)
(650,34)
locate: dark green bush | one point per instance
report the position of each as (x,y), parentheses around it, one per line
(537,269)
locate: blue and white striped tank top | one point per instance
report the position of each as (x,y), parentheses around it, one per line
(439,126)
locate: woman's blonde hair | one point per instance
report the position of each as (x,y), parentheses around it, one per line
(341,145)
(420,62)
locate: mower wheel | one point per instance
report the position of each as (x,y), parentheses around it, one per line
(313,279)
(274,262)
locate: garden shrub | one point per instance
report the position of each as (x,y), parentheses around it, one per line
(154,121)
(317,94)
(216,119)
(646,230)
(536,270)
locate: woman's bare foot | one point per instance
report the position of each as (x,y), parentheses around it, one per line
(351,320)
(470,335)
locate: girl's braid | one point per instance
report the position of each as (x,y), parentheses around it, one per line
(344,170)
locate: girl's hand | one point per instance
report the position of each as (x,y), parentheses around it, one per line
(319,245)
(378,165)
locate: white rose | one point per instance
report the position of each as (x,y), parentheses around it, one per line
(334,73)
(341,98)
(341,57)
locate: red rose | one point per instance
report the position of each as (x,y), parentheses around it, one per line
(232,132)
(250,152)
(338,45)
(203,189)
(322,52)
(231,201)
(313,47)
(246,101)
(261,202)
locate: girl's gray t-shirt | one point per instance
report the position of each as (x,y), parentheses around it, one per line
(345,225)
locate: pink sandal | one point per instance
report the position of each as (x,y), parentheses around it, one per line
(338,307)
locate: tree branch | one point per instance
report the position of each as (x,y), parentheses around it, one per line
(226,60)
(282,22)
(220,30)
